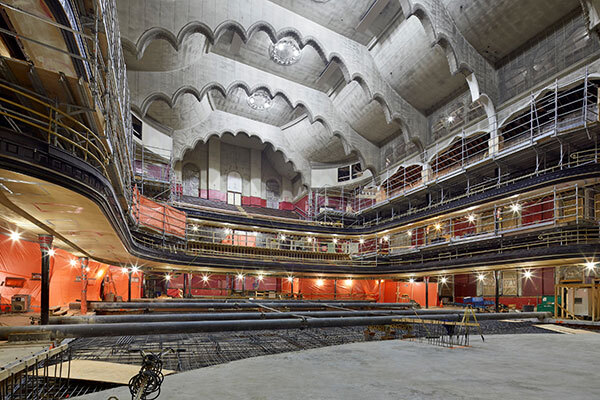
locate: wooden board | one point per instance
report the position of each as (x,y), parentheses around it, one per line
(100,371)
(563,329)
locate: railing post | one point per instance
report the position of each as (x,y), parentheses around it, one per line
(531,111)
(585,92)
(577,203)
(462,149)
(556,108)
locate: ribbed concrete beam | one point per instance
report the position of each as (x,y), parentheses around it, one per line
(143,21)
(462,56)
(214,72)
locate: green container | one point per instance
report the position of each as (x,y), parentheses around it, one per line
(547,304)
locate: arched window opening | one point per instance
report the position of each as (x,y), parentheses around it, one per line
(234,188)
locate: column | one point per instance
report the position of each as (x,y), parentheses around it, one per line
(497,282)
(214,170)
(426,292)
(45,245)
(83,261)
(256,178)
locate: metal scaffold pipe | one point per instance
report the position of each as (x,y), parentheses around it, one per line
(221,305)
(214,316)
(154,328)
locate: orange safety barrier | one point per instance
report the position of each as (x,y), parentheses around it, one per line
(159,217)
(21,261)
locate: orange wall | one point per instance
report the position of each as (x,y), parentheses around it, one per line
(22,258)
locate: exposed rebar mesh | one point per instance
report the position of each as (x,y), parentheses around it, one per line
(200,350)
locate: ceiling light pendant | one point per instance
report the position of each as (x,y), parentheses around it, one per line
(260,100)
(285,52)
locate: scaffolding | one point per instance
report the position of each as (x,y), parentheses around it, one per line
(88,117)
(552,114)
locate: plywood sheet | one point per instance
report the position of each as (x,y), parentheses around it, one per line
(101,371)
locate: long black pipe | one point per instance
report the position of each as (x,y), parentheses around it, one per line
(214,316)
(237,300)
(100,306)
(153,328)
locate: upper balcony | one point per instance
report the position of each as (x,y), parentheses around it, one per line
(63,81)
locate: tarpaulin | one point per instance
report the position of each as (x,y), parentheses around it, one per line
(160,217)
(328,289)
(23,259)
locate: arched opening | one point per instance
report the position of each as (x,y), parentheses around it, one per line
(273,193)
(464,151)
(191,180)
(234,188)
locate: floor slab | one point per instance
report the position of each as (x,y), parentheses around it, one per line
(541,366)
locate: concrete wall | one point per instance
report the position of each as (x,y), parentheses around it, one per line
(562,48)
(215,160)
(328,177)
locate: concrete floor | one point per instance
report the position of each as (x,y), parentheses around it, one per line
(541,366)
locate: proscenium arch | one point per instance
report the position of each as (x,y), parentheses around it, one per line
(219,134)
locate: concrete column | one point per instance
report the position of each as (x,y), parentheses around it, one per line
(45,245)
(286,189)
(214,169)
(255,173)
(426,173)
(83,262)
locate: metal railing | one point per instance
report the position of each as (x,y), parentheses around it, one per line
(106,141)
(55,126)
(552,114)
(554,207)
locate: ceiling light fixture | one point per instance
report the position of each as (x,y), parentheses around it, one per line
(290,278)
(444,280)
(204,278)
(285,52)
(15,236)
(260,100)
(51,252)
(411,280)
(320,282)
(590,265)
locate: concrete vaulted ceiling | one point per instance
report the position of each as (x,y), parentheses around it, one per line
(370,71)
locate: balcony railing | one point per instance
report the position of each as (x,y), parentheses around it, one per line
(554,114)
(564,207)
(95,123)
